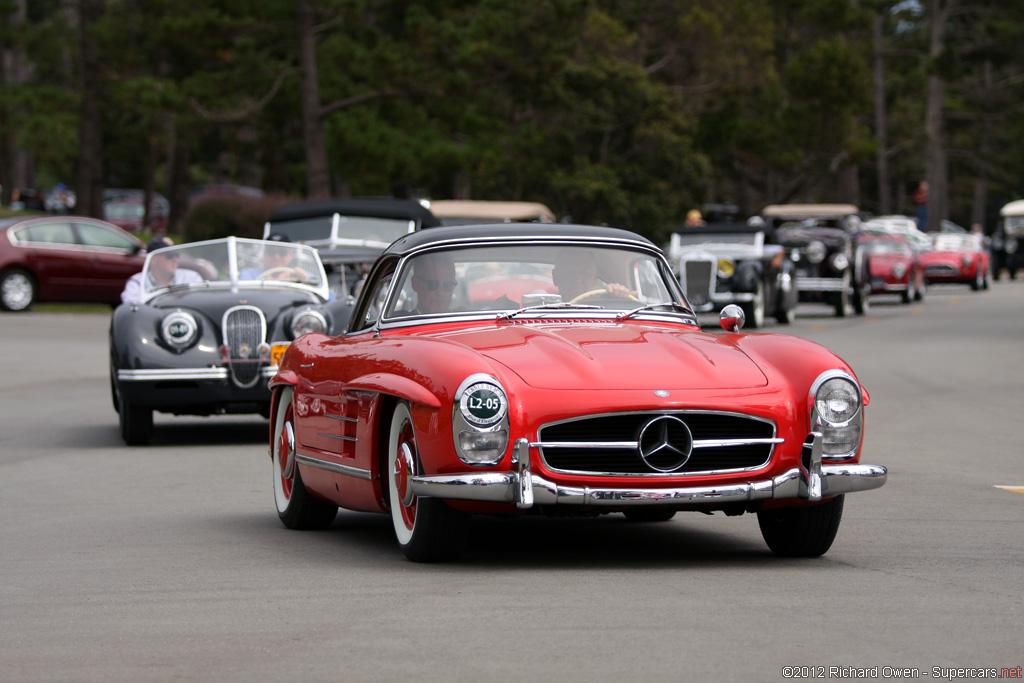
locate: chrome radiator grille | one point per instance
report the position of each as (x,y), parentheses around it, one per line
(941,269)
(634,443)
(698,280)
(245,330)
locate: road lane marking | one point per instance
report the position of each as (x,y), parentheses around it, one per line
(1018,489)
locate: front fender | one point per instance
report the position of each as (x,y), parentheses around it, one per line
(395,385)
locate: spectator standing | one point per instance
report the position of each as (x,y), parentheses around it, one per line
(694,219)
(921,200)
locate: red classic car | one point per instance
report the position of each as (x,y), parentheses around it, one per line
(65,258)
(895,267)
(957,258)
(597,393)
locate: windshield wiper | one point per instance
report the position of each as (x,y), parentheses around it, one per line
(561,304)
(669,304)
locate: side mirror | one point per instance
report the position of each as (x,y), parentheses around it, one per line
(732,318)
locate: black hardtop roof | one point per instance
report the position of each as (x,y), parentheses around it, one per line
(480,235)
(368,207)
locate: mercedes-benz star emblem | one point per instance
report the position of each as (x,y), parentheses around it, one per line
(665,443)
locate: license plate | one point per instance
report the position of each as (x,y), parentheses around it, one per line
(277,352)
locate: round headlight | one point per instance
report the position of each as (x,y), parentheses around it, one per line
(837,401)
(483,404)
(308,320)
(179,329)
(726,267)
(899,270)
(816,252)
(840,262)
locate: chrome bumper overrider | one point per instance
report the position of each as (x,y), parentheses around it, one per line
(811,480)
(162,374)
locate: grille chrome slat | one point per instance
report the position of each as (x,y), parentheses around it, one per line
(245,330)
(699,281)
(608,445)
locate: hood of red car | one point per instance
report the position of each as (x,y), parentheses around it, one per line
(883,263)
(614,356)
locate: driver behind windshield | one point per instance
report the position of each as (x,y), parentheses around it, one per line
(277,263)
(575,274)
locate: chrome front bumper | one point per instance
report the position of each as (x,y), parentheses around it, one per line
(811,480)
(164,374)
(819,284)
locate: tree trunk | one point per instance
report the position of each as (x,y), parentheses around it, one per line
(178,190)
(317,172)
(15,163)
(90,142)
(981,180)
(881,121)
(149,171)
(935,154)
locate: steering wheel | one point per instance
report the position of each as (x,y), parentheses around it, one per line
(602,293)
(280,273)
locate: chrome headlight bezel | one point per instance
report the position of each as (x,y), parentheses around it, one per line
(839,262)
(899,270)
(480,424)
(726,268)
(306,321)
(179,329)
(841,432)
(816,252)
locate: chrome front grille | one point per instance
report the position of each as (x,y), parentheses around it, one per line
(610,444)
(941,269)
(698,281)
(245,330)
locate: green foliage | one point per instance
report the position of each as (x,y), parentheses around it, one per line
(627,112)
(219,216)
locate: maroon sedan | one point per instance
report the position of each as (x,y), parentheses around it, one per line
(894,265)
(65,258)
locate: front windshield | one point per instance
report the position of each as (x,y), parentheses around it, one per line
(382,231)
(232,262)
(952,241)
(320,231)
(1015,225)
(887,247)
(512,277)
(699,239)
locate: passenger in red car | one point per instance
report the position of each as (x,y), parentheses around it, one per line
(433,280)
(575,274)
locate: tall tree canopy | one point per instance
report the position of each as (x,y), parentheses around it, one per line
(626,112)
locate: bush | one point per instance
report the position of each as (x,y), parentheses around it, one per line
(216,216)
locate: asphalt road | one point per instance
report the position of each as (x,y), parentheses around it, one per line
(168,562)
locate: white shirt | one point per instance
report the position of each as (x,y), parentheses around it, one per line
(133,288)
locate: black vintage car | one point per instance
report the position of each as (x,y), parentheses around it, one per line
(1007,246)
(349,233)
(830,266)
(207,342)
(735,263)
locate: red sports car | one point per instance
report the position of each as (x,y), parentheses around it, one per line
(957,258)
(599,394)
(895,267)
(65,258)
